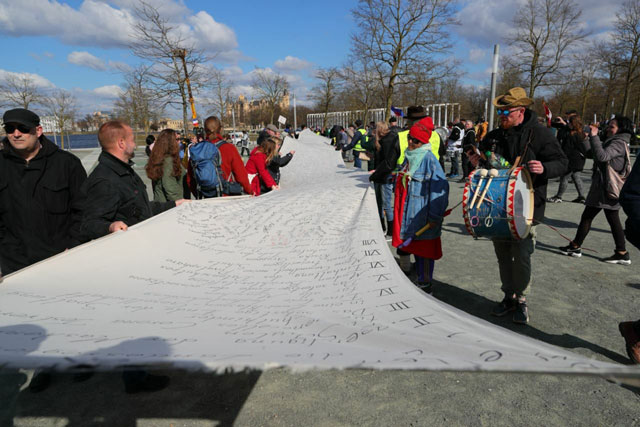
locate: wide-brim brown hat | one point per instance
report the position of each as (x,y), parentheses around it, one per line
(515,97)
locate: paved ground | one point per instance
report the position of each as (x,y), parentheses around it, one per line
(575,304)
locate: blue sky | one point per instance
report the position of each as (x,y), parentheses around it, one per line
(80,45)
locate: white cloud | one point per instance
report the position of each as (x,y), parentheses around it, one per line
(291,63)
(37,79)
(110,24)
(85,59)
(488,22)
(110,91)
(477,55)
(211,35)
(119,66)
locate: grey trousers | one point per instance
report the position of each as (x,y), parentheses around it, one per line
(564,182)
(514,262)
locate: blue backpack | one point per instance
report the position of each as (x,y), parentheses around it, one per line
(205,161)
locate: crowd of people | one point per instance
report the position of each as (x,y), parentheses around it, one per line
(48,203)
(412,193)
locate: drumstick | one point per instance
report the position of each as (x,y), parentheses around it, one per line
(482,173)
(492,174)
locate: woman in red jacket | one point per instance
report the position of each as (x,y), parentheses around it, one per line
(257,165)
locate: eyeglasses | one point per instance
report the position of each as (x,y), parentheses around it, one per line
(9,128)
(502,112)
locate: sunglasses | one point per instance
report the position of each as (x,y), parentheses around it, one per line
(9,128)
(505,112)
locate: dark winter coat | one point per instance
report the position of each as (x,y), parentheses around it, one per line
(630,202)
(573,145)
(614,151)
(39,205)
(274,166)
(544,147)
(115,192)
(386,158)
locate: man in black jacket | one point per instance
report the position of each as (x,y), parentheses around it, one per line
(39,194)
(521,136)
(116,197)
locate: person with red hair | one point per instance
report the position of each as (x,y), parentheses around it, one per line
(421,198)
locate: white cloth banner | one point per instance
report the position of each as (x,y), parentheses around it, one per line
(301,278)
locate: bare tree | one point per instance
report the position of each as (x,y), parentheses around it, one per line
(627,45)
(61,104)
(400,36)
(546,30)
(138,103)
(220,86)
(270,87)
(608,72)
(20,90)
(585,75)
(163,45)
(324,92)
(361,85)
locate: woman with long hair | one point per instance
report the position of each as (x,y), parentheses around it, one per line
(573,146)
(257,163)
(614,152)
(164,168)
(386,157)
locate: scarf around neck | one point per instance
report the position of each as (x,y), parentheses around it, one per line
(415,157)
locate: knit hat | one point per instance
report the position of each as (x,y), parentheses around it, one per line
(422,130)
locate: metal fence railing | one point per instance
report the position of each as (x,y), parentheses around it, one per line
(440,113)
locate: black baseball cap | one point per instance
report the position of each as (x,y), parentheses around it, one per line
(21,116)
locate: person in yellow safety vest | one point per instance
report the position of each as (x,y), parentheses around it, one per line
(415,113)
(356,144)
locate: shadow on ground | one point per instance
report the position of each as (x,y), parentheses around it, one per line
(480,306)
(190,396)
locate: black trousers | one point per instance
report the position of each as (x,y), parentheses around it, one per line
(613,218)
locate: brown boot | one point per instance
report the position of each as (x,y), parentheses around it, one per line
(632,340)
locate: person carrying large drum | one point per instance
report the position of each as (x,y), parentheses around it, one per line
(521,153)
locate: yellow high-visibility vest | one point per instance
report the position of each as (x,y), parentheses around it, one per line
(358,147)
(435,144)
(403,137)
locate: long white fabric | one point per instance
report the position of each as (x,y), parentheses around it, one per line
(300,278)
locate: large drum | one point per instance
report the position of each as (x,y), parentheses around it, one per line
(506,212)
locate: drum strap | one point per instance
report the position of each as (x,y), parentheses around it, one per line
(516,163)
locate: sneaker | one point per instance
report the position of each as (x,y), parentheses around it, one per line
(425,287)
(617,258)
(571,251)
(631,339)
(521,314)
(454,176)
(579,200)
(554,199)
(505,306)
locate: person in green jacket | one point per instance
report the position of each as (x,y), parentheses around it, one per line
(164,168)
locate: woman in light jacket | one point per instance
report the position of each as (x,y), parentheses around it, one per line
(164,168)
(613,151)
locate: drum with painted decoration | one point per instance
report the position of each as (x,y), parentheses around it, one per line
(506,212)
